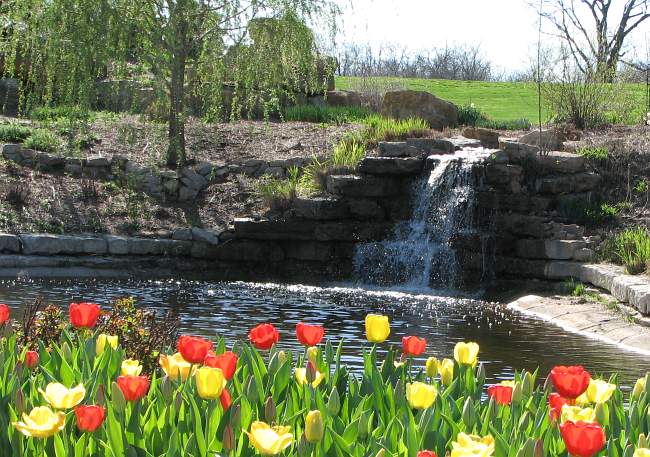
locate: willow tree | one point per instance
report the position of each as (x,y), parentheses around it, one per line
(60,48)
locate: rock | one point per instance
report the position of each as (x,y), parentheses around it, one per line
(47,161)
(366,209)
(518,152)
(254,167)
(391,166)
(639,297)
(205,235)
(97,162)
(9,243)
(398,149)
(192,179)
(319,209)
(309,250)
(291,145)
(499,157)
(366,186)
(584,182)
(460,142)
(48,244)
(558,269)
(358,231)
(276,172)
(551,139)
(548,249)
(488,138)
(583,255)
(406,104)
(250,251)
(182,234)
(73,169)
(265,229)
(204,250)
(11,152)
(146,246)
(171,186)
(187,194)
(343,98)
(561,162)
(117,245)
(432,145)
(600,275)
(502,173)
(522,225)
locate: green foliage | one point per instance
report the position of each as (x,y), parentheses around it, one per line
(574,288)
(379,128)
(14,132)
(594,153)
(314,176)
(641,187)
(632,248)
(43,140)
(337,115)
(589,213)
(469,114)
(279,193)
(66,113)
(347,155)
(516,124)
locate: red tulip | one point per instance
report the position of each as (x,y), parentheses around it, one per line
(427,454)
(501,394)
(570,382)
(583,439)
(89,418)
(227,362)
(133,387)
(412,345)
(264,336)
(556,402)
(84,315)
(4,313)
(225,399)
(31,359)
(193,349)
(309,335)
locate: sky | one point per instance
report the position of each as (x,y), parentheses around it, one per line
(506,30)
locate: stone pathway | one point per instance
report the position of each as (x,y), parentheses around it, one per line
(590,319)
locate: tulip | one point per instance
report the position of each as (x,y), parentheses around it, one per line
(642,452)
(225,399)
(570,382)
(472,446)
(582,439)
(301,377)
(131,367)
(314,426)
(31,359)
(412,345)
(309,335)
(269,440)
(102,339)
(427,454)
(556,402)
(89,418)
(420,395)
(432,367)
(312,354)
(501,393)
(133,387)
(41,422)
(226,362)
(466,353)
(446,369)
(639,387)
(193,348)
(60,397)
(210,382)
(576,413)
(599,391)
(5,312)
(377,328)
(175,366)
(264,336)
(84,315)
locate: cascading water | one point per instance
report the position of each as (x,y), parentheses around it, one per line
(420,253)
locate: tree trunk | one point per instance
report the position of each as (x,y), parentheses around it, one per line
(176,149)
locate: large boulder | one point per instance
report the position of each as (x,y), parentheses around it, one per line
(343,98)
(548,140)
(405,104)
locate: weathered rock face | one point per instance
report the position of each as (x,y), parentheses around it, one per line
(343,98)
(548,140)
(488,138)
(405,104)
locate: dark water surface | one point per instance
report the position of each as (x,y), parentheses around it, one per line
(508,340)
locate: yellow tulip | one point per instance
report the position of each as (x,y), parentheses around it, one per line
(176,366)
(301,377)
(420,395)
(314,426)
(446,370)
(41,422)
(312,354)
(60,397)
(466,353)
(269,440)
(432,367)
(642,452)
(639,387)
(377,328)
(210,382)
(599,391)
(102,339)
(131,367)
(472,446)
(576,413)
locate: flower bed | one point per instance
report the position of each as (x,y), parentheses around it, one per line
(68,389)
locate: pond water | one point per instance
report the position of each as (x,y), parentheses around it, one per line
(508,340)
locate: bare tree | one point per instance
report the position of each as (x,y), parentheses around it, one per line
(592,33)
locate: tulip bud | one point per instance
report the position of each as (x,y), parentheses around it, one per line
(629,451)
(480,374)
(334,403)
(492,408)
(101,395)
(528,383)
(282,357)
(269,410)
(235,415)
(602,413)
(67,353)
(517,393)
(314,426)
(399,393)
(469,414)
(311,372)
(251,390)
(643,441)
(523,422)
(539,449)
(432,367)
(312,354)
(178,401)
(228,438)
(117,398)
(381,453)
(166,389)
(304,448)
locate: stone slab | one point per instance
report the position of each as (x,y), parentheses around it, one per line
(362,186)
(49,244)
(399,166)
(9,243)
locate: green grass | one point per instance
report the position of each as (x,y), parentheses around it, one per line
(326,114)
(43,140)
(594,153)
(632,247)
(14,133)
(501,101)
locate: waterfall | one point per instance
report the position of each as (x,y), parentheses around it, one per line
(420,252)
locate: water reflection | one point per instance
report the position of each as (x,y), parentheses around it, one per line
(508,340)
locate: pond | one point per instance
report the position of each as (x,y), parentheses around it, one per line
(508,341)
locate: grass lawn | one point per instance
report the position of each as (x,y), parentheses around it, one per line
(501,101)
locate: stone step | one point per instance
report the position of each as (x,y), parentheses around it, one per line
(553,162)
(551,249)
(363,186)
(579,182)
(398,166)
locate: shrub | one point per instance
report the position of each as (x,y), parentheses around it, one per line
(632,248)
(379,128)
(594,153)
(14,133)
(326,114)
(314,176)
(347,155)
(43,140)
(59,113)
(279,193)
(469,114)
